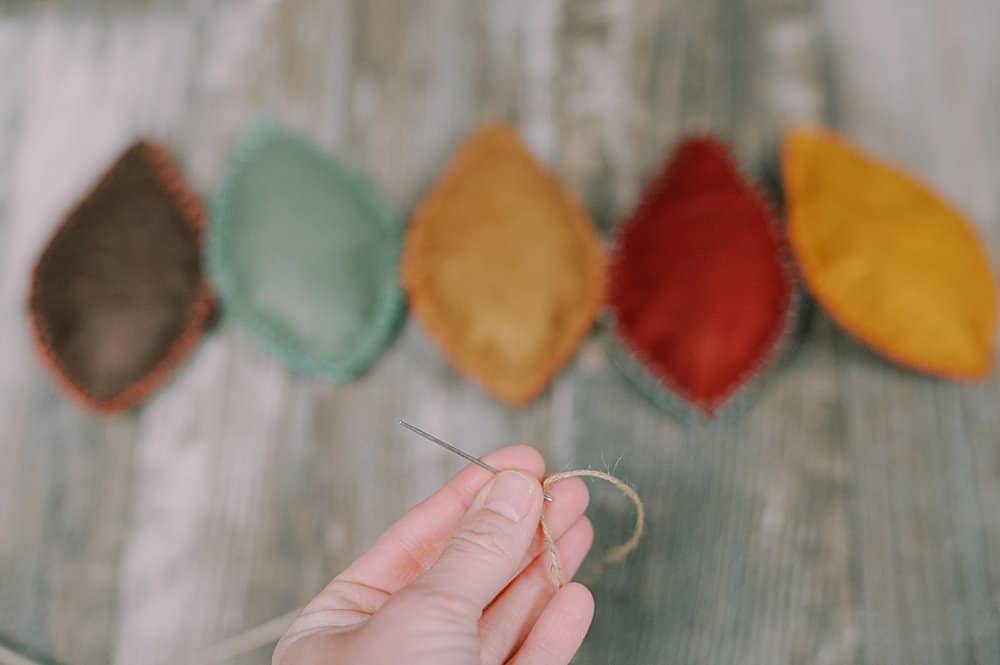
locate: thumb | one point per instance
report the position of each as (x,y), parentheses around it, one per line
(487,549)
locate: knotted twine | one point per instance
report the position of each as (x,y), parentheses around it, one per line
(272,630)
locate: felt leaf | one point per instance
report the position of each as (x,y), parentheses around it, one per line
(303,252)
(503,266)
(890,261)
(117,296)
(701,292)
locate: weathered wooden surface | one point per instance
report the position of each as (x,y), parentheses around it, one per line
(851,517)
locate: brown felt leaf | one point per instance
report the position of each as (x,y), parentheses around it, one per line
(503,266)
(117,297)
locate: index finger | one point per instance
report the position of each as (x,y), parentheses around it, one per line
(413,543)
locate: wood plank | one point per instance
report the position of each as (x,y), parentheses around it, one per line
(923,452)
(747,560)
(215,451)
(67,482)
(847,518)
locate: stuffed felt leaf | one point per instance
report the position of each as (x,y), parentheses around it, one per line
(701,292)
(303,252)
(503,266)
(117,297)
(888,259)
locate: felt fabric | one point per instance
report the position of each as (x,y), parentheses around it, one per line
(303,253)
(700,288)
(117,296)
(890,261)
(503,266)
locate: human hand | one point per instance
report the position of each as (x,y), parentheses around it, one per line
(461,579)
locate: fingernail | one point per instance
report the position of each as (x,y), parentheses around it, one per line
(512,495)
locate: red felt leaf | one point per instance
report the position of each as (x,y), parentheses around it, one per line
(700,288)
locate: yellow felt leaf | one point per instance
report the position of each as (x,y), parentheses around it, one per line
(891,262)
(503,266)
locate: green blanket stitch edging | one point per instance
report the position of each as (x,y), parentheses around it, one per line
(331,302)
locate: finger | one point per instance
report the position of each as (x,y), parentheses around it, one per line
(409,547)
(569,500)
(506,622)
(559,631)
(347,601)
(413,543)
(486,549)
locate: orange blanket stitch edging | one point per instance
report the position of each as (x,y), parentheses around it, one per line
(106,346)
(891,262)
(503,266)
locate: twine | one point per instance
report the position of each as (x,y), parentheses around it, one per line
(615,554)
(249,640)
(10,657)
(272,630)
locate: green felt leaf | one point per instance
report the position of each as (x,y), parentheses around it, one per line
(303,251)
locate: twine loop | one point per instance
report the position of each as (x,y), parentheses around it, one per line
(615,554)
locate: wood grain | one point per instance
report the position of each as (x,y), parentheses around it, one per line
(849,517)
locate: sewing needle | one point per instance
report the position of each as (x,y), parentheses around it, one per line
(457,451)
